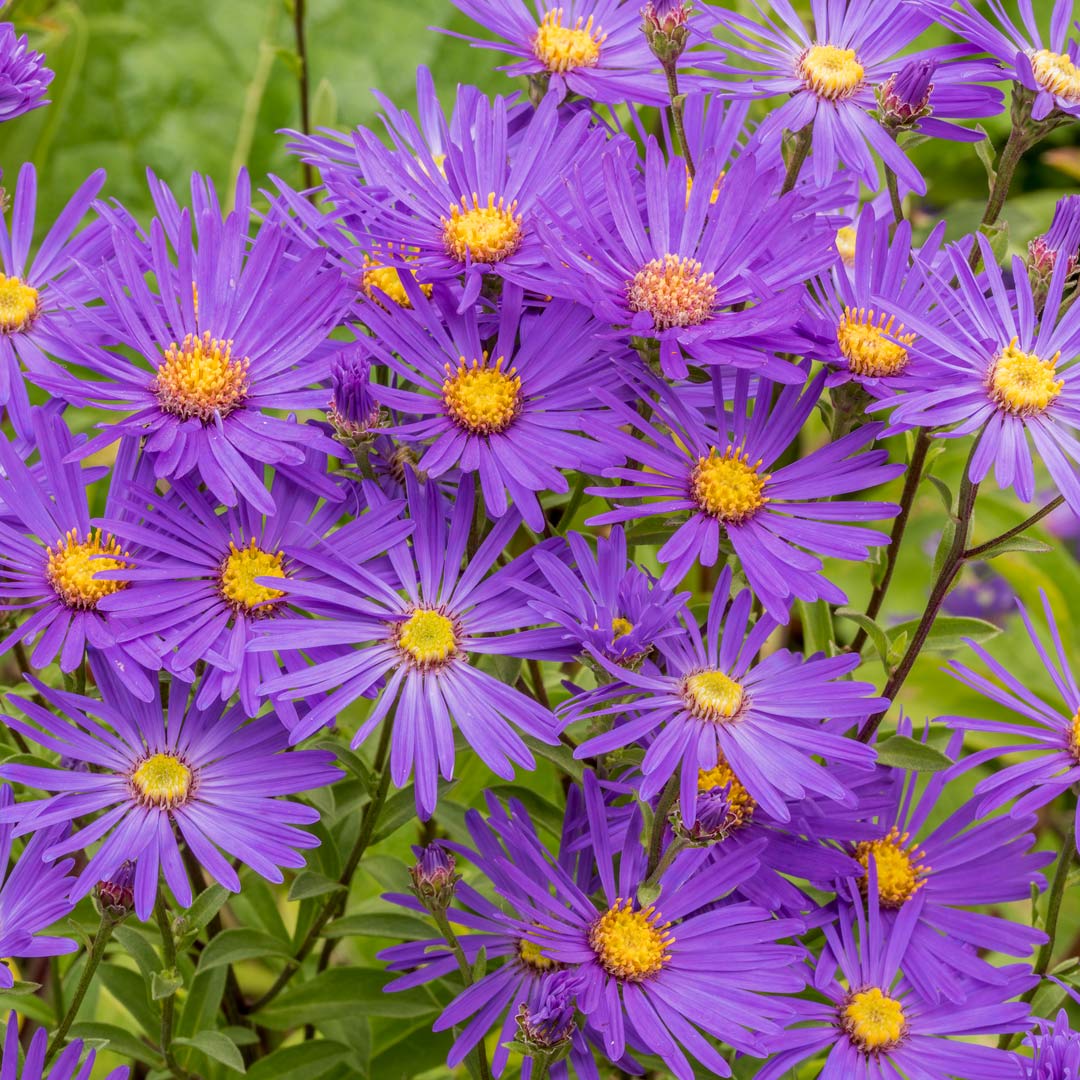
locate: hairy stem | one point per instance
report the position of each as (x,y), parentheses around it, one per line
(678,104)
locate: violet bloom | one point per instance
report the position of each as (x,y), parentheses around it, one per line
(165,770)
(353,409)
(1062,238)
(69,1063)
(1055,1051)
(24,78)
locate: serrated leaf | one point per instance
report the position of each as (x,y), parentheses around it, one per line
(234,945)
(218,1046)
(901,752)
(950,632)
(308,883)
(164,984)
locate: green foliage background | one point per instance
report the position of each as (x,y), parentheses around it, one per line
(206,85)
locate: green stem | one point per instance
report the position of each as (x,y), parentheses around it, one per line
(894,195)
(981,549)
(303,79)
(1019,142)
(168,1004)
(678,103)
(801,152)
(571,508)
(656,838)
(97,951)
(540,1070)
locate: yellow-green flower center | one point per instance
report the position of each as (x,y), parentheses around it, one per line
(1022,383)
(239,571)
(712,696)
(845,244)
(72,567)
(483,399)
(200,379)
(674,291)
(830,72)
(427,637)
(900,874)
(741,804)
(482,233)
(727,486)
(18,304)
(873,1021)
(873,345)
(629,944)
(1057,74)
(532,956)
(162,780)
(378,278)
(563,48)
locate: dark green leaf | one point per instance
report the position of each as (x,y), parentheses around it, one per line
(129,989)
(381,924)
(308,883)
(216,1045)
(901,752)
(560,754)
(164,984)
(306,1062)
(234,945)
(950,632)
(1015,543)
(119,1041)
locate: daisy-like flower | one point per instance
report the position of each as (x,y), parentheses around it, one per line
(510,412)
(874,1024)
(714,274)
(1002,368)
(202,583)
(1055,1051)
(33,895)
(594,48)
(714,701)
(227,335)
(24,78)
(1047,67)
(29,308)
(69,1064)
(52,559)
(778,522)
(417,629)
(1047,736)
(165,771)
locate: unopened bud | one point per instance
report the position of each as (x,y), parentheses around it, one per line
(664,24)
(545,1030)
(434,876)
(115,896)
(904,98)
(353,409)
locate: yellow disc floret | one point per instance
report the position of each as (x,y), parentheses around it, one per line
(713,696)
(379,278)
(427,637)
(620,627)
(727,486)
(72,567)
(900,872)
(631,944)
(238,573)
(18,304)
(1022,383)
(845,244)
(873,1021)
(1057,74)
(674,291)
(830,72)
(162,780)
(741,804)
(873,345)
(563,48)
(200,379)
(482,233)
(482,398)
(1074,736)
(532,956)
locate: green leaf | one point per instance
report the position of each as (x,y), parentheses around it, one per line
(380,924)
(202,1001)
(560,754)
(205,906)
(948,535)
(308,883)
(901,752)
(985,150)
(119,1041)
(137,947)
(234,945)
(21,987)
(998,235)
(950,633)
(305,1062)
(1015,543)
(817,625)
(897,648)
(324,105)
(218,1046)
(874,632)
(164,984)
(943,490)
(129,989)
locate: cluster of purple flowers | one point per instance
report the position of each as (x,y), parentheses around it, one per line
(443,460)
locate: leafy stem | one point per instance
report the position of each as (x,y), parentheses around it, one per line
(1009,534)
(168,1003)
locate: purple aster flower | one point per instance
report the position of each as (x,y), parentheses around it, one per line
(354,410)
(24,78)
(714,274)
(67,1065)
(1062,238)
(416,629)
(714,702)
(1055,1051)
(33,896)
(873,1023)
(165,771)
(506,402)
(228,335)
(594,48)
(52,559)
(778,523)
(29,307)
(1047,736)
(1003,369)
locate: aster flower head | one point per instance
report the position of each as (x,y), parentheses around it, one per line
(354,409)
(24,78)
(417,630)
(164,771)
(718,473)
(873,1023)
(507,402)
(226,338)
(1061,239)
(1055,1051)
(715,706)
(69,1064)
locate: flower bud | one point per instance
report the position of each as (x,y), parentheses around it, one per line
(434,877)
(904,99)
(1062,236)
(353,409)
(115,896)
(545,1029)
(664,24)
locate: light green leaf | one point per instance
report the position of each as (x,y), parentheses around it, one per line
(164,984)
(381,924)
(218,1046)
(901,752)
(308,883)
(950,633)
(1016,543)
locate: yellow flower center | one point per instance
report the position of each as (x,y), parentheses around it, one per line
(18,304)
(427,637)
(1057,74)
(1023,384)
(727,486)
(162,780)
(715,191)
(673,291)
(741,804)
(563,48)
(873,1021)
(386,279)
(239,571)
(483,399)
(830,72)
(900,874)
(532,956)
(845,244)
(620,627)
(200,379)
(713,696)
(73,564)
(873,347)
(631,944)
(1074,736)
(482,234)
